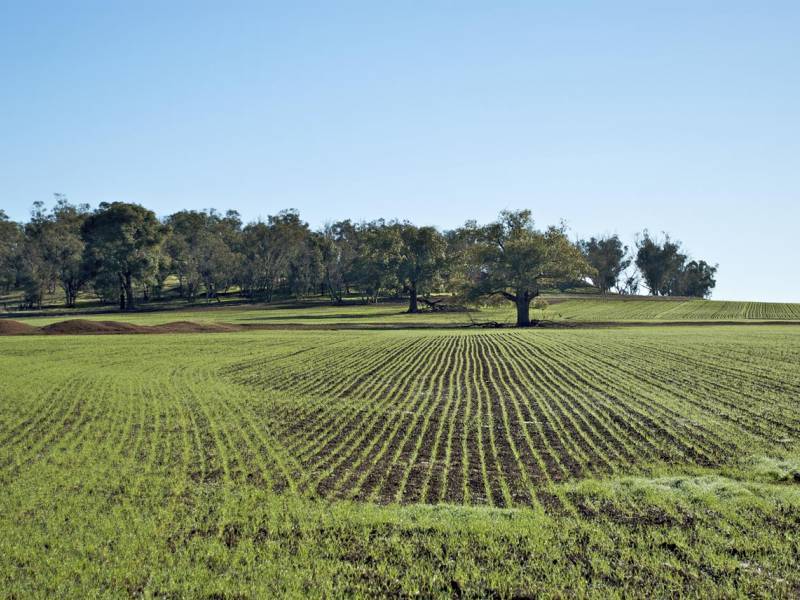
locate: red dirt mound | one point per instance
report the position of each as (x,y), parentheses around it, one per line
(191,327)
(81,326)
(9,327)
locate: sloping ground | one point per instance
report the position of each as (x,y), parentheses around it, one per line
(616,308)
(81,326)
(92,327)
(9,327)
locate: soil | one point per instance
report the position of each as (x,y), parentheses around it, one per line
(9,327)
(89,327)
(80,326)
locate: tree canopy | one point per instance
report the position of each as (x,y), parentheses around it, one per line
(123,253)
(422,257)
(515,260)
(667,271)
(608,256)
(123,240)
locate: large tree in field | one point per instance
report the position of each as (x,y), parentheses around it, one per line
(123,240)
(608,257)
(515,260)
(422,256)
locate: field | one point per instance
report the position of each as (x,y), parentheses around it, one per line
(580,462)
(666,310)
(318,313)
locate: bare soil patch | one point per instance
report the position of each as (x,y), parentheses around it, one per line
(79,326)
(9,327)
(89,327)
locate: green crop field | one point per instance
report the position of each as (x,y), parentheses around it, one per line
(651,461)
(658,309)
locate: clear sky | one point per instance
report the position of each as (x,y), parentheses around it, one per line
(674,116)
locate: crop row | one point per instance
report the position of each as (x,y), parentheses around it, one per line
(499,417)
(636,309)
(461,417)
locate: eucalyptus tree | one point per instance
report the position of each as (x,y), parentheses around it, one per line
(64,246)
(421,260)
(270,250)
(659,263)
(515,260)
(199,246)
(123,241)
(338,245)
(608,256)
(697,278)
(666,271)
(11,240)
(378,253)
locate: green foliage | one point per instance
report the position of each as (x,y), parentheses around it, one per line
(422,258)
(120,251)
(515,260)
(666,271)
(696,279)
(201,250)
(378,255)
(123,240)
(337,244)
(280,252)
(57,239)
(11,238)
(659,264)
(608,257)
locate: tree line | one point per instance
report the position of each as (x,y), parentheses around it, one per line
(124,254)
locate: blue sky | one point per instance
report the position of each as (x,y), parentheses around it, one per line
(673,116)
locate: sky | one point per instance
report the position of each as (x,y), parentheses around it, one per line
(673,116)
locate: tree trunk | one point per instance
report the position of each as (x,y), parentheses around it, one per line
(130,303)
(412,299)
(121,291)
(70,294)
(523,303)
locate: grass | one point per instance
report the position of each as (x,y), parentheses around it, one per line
(637,461)
(319,313)
(617,308)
